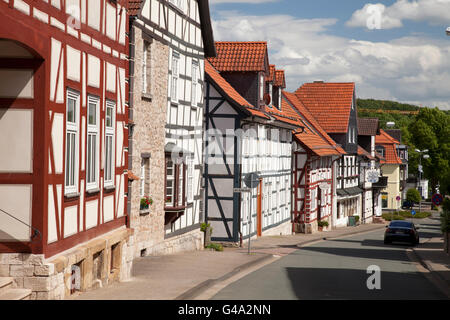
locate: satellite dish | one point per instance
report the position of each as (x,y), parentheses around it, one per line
(267,98)
(251,180)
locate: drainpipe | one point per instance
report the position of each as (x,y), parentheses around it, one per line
(131,37)
(333,187)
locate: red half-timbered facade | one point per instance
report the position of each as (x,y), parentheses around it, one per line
(314,154)
(63,122)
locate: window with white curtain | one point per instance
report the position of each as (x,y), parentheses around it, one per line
(92,147)
(175,76)
(195,69)
(110,143)
(72,147)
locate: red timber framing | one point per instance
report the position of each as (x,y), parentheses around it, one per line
(37,37)
(303,186)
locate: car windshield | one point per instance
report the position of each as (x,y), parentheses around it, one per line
(402,224)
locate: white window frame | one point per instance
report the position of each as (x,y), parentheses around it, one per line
(175,77)
(110,161)
(143,178)
(194,83)
(92,130)
(279,98)
(190,179)
(72,128)
(170,178)
(144,67)
(261,87)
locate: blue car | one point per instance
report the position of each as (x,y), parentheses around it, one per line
(401,231)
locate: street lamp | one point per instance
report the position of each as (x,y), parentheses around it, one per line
(425,156)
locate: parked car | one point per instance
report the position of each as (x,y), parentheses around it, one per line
(407,204)
(402,231)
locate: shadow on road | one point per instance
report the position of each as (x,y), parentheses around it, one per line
(323,284)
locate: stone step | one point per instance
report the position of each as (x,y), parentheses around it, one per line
(6,283)
(16,294)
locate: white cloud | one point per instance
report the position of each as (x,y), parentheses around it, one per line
(378,16)
(410,69)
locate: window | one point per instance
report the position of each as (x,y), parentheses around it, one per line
(109,143)
(380,150)
(194,83)
(190,179)
(145,59)
(92,168)
(261,87)
(72,122)
(144,177)
(175,76)
(177,3)
(279,99)
(313,199)
(175,184)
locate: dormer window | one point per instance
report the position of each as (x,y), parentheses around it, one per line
(261,87)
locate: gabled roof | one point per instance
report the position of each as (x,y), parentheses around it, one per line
(280,80)
(134,8)
(384,138)
(313,137)
(271,77)
(330,103)
(230,93)
(368,126)
(241,56)
(390,147)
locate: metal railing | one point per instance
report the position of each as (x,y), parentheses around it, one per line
(36,232)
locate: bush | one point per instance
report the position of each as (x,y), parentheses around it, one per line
(356,219)
(418,215)
(215,246)
(322,223)
(413,195)
(445,216)
(390,217)
(205,226)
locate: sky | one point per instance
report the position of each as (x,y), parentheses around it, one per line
(393,49)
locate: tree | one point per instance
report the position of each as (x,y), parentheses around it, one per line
(413,195)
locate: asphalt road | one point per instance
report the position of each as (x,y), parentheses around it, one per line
(337,269)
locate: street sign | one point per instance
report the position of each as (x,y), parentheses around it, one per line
(413,212)
(398,198)
(437,199)
(372,176)
(239,190)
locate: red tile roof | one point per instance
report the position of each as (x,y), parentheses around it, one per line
(280,80)
(231,93)
(134,6)
(271,77)
(314,137)
(330,103)
(240,56)
(390,147)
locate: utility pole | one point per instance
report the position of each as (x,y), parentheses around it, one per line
(423,154)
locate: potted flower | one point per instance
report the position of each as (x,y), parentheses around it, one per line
(145,203)
(207,230)
(321,224)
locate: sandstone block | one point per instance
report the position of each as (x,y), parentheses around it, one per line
(44,270)
(37,283)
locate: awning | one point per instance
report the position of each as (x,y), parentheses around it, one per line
(354,190)
(341,192)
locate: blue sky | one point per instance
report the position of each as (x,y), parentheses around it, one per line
(404,56)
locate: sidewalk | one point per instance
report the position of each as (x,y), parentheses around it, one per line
(431,255)
(185,276)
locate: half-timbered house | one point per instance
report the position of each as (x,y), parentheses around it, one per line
(333,105)
(170,40)
(242,138)
(63,136)
(314,154)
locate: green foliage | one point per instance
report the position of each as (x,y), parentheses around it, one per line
(205,226)
(215,246)
(390,217)
(418,215)
(322,223)
(413,195)
(445,216)
(422,128)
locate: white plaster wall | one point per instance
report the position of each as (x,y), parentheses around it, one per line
(16,199)
(16,83)
(70,221)
(16,140)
